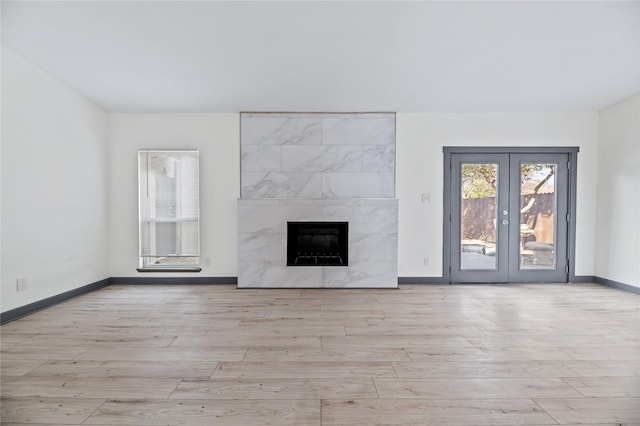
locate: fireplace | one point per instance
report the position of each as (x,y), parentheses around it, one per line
(317,243)
(317,205)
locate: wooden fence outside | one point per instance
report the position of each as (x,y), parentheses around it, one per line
(479,215)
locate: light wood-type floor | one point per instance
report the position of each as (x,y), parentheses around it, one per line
(420,355)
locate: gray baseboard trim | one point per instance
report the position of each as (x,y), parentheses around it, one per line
(172,280)
(422,280)
(31,308)
(583,279)
(616,284)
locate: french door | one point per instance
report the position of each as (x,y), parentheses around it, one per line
(508,217)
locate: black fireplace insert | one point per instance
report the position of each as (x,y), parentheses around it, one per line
(317,243)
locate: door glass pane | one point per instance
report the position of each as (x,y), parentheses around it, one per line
(537,215)
(478,216)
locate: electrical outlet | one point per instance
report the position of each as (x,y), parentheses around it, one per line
(426,261)
(426,198)
(21,284)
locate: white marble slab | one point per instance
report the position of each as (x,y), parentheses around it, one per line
(350,130)
(272,219)
(378,158)
(266,129)
(358,185)
(373,247)
(281,185)
(262,248)
(321,158)
(362,275)
(371,219)
(272,275)
(261,158)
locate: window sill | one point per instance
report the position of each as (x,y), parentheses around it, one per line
(185,269)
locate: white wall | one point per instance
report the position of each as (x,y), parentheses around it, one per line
(420,138)
(54,186)
(618,197)
(217,136)
(419,169)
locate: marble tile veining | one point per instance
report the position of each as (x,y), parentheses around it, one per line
(281,185)
(295,129)
(354,185)
(359,131)
(261,158)
(321,158)
(378,158)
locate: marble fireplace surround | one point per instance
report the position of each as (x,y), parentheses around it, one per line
(316,167)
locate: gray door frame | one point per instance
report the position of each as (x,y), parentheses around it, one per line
(571,152)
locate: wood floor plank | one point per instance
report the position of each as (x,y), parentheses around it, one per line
(48,411)
(593,410)
(488,354)
(244,340)
(44,352)
(606,368)
(604,353)
(62,387)
(283,313)
(606,387)
(393,342)
(314,389)
(219,353)
(261,330)
(103,340)
(207,412)
(488,370)
(126,369)
(472,388)
(323,354)
(18,367)
(303,369)
(554,341)
(428,329)
(368,412)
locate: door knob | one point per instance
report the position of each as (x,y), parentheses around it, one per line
(504,212)
(505,222)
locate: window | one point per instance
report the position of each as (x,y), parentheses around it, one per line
(169,210)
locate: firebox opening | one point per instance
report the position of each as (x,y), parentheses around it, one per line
(317,243)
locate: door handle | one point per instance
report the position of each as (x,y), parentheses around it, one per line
(505,222)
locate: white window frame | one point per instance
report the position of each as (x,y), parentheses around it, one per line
(147,217)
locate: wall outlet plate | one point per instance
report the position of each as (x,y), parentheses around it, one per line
(21,284)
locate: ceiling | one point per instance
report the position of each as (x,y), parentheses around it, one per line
(213,56)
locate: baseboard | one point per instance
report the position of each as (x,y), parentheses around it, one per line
(172,280)
(617,284)
(582,279)
(422,280)
(31,308)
